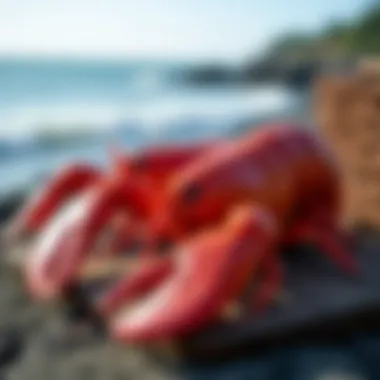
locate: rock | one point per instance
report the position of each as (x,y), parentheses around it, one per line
(296,74)
(210,75)
(9,205)
(11,346)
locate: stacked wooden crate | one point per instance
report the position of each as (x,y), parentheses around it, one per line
(347,111)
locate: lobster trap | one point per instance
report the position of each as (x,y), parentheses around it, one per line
(347,111)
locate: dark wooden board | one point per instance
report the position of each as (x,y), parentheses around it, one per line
(323,302)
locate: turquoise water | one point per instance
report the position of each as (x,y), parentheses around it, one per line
(52,96)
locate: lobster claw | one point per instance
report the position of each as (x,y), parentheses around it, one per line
(67,242)
(54,240)
(208,272)
(68,183)
(149,274)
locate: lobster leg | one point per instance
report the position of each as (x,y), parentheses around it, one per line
(330,243)
(272,283)
(209,272)
(318,229)
(149,274)
(39,210)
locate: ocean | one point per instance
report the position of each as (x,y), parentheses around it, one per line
(56,112)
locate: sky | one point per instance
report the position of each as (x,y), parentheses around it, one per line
(190,29)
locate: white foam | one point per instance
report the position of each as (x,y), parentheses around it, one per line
(150,115)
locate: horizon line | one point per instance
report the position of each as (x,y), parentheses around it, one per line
(121,58)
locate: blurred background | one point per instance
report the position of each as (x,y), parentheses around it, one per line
(77,75)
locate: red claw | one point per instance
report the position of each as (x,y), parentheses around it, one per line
(68,183)
(208,272)
(72,237)
(54,241)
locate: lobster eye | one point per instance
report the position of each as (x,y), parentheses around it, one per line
(164,244)
(192,193)
(138,163)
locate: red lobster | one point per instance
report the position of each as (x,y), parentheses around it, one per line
(277,184)
(280,183)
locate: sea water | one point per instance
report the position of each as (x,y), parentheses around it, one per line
(130,103)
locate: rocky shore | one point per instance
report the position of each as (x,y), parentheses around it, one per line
(299,74)
(293,74)
(39,342)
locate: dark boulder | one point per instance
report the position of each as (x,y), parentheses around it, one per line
(209,75)
(297,74)
(11,346)
(9,205)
